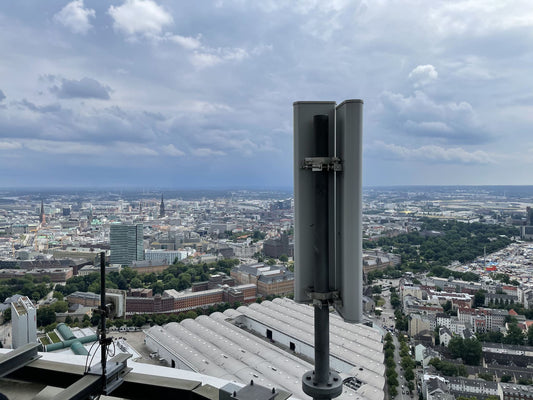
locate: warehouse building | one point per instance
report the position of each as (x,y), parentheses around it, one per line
(228,346)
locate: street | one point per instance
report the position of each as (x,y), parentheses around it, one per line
(387,322)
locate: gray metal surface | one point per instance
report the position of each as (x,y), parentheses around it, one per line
(18,358)
(304,193)
(349,148)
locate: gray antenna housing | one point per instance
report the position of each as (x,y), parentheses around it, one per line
(344,206)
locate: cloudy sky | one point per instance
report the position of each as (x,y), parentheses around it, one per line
(166,93)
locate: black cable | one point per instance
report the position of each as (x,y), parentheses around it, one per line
(87,358)
(90,362)
(109,350)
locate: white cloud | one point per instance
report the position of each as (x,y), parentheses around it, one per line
(423,74)
(171,150)
(204,107)
(62,147)
(134,149)
(205,152)
(140,17)
(434,126)
(204,60)
(471,17)
(186,42)
(433,153)
(207,57)
(75,17)
(10,145)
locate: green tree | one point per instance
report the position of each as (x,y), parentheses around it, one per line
(472,351)
(158,287)
(45,316)
(149,278)
(479,299)
(60,306)
(456,347)
(506,378)
(128,273)
(486,376)
(514,335)
(409,374)
(136,283)
(283,258)
(58,295)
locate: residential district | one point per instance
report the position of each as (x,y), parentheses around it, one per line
(202,282)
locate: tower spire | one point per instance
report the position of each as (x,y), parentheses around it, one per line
(162,207)
(42,216)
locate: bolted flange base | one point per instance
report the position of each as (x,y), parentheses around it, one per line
(329,390)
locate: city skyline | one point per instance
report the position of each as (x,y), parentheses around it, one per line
(142,93)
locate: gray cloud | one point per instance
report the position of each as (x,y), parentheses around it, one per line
(204,91)
(51,108)
(432,153)
(422,116)
(85,88)
(2,96)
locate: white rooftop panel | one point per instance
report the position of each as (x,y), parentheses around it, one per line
(216,346)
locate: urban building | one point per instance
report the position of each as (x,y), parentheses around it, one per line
(511,391)
(232,344)
(483,319)
(168,255)
(270,280)
(149,266)
(24,322)
(91,254)
(278,247)
(174,301)
(87,299)
(55,274)
(126,243)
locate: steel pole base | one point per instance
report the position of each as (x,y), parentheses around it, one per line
(329,390)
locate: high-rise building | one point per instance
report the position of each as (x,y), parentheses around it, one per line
(126,244)
(24,322)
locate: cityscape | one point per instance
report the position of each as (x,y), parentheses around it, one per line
(447,276)
(266,200)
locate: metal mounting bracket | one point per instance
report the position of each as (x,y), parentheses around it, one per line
(116,368)
(327,296)
(317,164)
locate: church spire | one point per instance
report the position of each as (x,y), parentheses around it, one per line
(162,207)
(42,216)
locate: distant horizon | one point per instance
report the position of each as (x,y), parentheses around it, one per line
(236,188)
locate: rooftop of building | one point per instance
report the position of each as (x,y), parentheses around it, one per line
(44,377)
(514,389)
